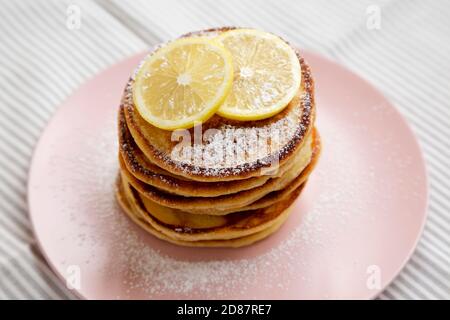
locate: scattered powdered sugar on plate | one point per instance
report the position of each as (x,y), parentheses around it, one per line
(156,273)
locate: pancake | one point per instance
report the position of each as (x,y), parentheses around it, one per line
(223,183)
(232,243)
(274,196)
(224,202)
(236,225)
(229,152)
(144,170)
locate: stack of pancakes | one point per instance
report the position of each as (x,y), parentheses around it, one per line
(224,183)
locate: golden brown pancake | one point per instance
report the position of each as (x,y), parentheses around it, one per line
(144,170)
(236,225)
(230,201)
(274,196)
(232,243)
(293,125)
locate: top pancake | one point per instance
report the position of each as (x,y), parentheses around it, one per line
(223,149)
(141,168)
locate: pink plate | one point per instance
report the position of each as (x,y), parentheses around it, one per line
(351,232)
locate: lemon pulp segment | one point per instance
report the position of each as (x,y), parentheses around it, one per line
(183,83)
(267,74)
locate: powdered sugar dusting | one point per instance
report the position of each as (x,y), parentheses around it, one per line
(227,147)
(233,150)
(157,273)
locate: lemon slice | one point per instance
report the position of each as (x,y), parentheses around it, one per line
(183,83)
(266,74)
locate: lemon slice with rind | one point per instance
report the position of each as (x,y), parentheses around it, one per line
(183,83)
(267,74)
